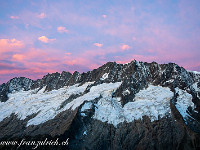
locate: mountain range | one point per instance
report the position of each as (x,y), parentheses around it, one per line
(136,106)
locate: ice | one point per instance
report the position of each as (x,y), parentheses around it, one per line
(95,92)
(86,106)
(42,90)
(195,87)
(153,102)
(45,105)
(184,100)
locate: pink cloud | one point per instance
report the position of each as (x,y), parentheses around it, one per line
(88,58)
(62,29)
(10,45)
(98,44)
(42,15)
(35,61)
(104,16)
(18,57)
(14,17)
(68,53)
(44,39)
(125,47)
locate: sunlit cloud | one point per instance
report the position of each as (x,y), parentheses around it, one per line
(42,15)
(104,16)
(14,17)
(68,53)
(44,39)
(125,47)
(10,45)
(98,44)
(18,57)
(62,29)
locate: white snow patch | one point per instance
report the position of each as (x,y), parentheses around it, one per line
(25,103)
(47,105)
(184,100)
(95,92)
(85,133)
(86,106)
(153,102)
(42,90)
(195,87)
(105,76)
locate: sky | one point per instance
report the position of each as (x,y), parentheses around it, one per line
(38,37)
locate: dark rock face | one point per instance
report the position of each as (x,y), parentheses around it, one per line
(15,84)
(52,81)
(85,132)
(137,135)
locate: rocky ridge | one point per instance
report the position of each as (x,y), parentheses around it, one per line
(82,102)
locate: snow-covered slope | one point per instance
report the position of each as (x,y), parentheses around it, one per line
(152,102)
(45,104)
(48,104)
